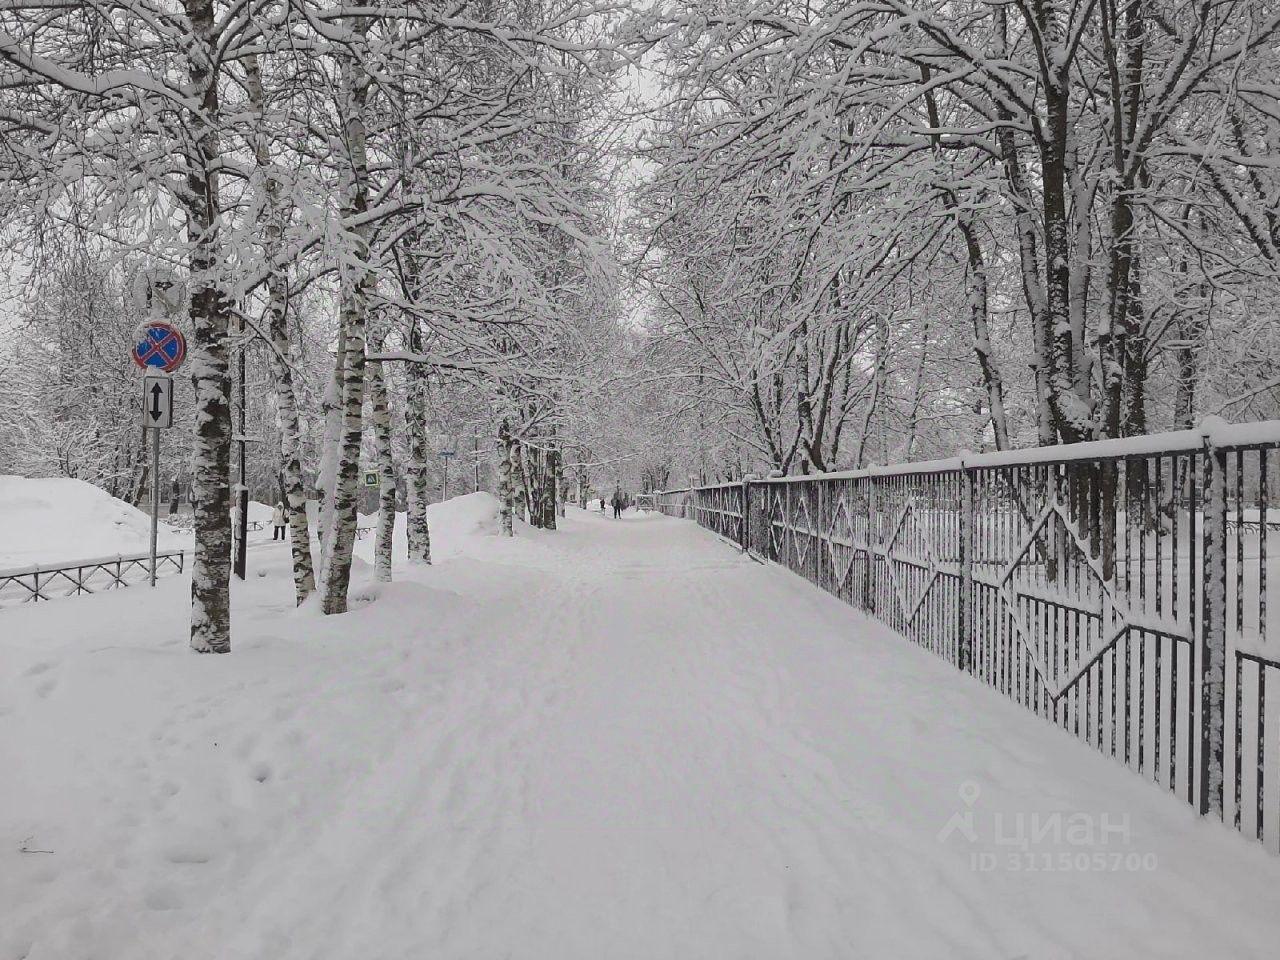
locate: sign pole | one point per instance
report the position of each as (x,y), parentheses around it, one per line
(160,350)
(155,497)
(445,455)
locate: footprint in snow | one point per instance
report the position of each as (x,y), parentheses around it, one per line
(162,898)
(187,854)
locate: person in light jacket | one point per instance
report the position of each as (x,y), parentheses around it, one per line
(277,521)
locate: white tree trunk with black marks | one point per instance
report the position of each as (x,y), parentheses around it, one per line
(210,321)
(354,85)
(326,476)
(506,482)
(415,421)
(295,494)
(520,477)
(380,413)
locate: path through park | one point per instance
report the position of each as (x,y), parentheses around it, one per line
(618,740)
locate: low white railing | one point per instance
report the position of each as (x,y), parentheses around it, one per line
(69,579)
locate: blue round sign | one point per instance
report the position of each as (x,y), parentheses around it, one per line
(162,347)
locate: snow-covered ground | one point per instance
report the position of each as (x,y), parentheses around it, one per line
(617,740)
(52,520)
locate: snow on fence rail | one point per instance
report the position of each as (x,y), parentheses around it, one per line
(1119,589)
(54,581)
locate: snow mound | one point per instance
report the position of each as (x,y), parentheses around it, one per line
(57,519)
(468,515)
(452,523)
(260,511)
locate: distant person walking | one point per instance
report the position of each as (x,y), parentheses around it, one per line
(617,502)
(277,522)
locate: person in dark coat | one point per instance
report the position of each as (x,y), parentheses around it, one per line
(617,502)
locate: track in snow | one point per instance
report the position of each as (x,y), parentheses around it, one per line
(620,740)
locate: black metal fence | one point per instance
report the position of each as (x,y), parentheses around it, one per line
(54,581)
(1118,589)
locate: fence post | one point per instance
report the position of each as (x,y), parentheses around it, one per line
(1213,628)
(816,541)
(868,588)
(745,528)
(964,649)
(788,518)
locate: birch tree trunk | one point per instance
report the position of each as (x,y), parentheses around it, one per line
(550,488)
(520,477)
(381,416)
(210,321)
(415,419)
(326,478)
(342,521)
(354,91)
(506,486)
(294,492)
(560,488)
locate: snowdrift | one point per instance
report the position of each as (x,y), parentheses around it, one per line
(451,523)
(469,515)
(55,519)
(261,512)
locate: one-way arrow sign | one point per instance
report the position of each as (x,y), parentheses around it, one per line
(157,402)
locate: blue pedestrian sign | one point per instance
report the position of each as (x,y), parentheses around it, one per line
(162,347)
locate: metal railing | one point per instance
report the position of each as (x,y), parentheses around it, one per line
(55,581)
(1118,589)
(39,582)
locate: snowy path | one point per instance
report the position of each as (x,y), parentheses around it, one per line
(619,740)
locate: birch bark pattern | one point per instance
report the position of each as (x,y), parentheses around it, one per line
(1213,633)
(506,487)
(381,416)
(210,374)
(342,527)
(326,477)
(415,422)
(295,494)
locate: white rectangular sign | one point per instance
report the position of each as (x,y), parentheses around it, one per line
(157,402)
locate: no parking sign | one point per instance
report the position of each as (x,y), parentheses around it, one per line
(162,347)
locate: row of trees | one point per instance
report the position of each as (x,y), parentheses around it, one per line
(856,232)
(888,229)
(374,209)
